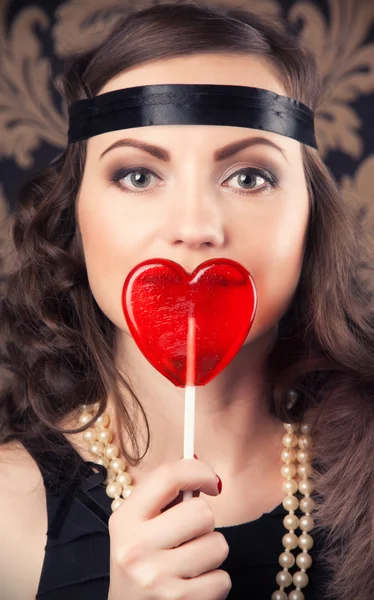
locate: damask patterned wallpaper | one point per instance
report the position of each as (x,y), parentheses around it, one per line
(35,36)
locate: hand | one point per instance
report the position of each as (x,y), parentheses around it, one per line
(168,554)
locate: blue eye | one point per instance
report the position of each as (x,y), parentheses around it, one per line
(141,176)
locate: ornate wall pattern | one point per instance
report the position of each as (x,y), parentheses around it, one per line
(36,36)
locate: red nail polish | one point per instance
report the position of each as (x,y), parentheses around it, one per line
(195,456)
(219,484)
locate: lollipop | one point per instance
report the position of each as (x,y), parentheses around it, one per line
(189,326)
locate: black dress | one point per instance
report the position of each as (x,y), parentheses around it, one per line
(76,561)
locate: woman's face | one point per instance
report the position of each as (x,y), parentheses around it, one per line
(191,200)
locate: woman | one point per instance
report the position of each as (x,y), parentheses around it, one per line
(81,225)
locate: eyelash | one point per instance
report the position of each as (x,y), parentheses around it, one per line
(271,180)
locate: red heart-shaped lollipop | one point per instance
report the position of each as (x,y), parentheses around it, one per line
(159,296)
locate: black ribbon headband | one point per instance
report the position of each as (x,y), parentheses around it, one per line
(191,104)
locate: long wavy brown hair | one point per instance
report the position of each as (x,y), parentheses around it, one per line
(58,348)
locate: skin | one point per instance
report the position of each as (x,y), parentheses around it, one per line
(191,210)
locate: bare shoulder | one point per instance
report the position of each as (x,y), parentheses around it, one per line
(14,461)
(23,523)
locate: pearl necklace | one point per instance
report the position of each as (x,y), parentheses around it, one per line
(98,438)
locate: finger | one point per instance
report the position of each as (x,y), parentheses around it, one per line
(213,585)
(176,501)
(179,524)
(179,498)
(165,483)
(193,558)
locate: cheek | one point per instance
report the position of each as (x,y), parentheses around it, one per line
(275,260)
(112,245)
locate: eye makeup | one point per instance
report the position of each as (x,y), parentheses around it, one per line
(269,178)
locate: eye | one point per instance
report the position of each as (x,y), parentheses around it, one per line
(250,179)
(139,178)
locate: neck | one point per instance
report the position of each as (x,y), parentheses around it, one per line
(234,432)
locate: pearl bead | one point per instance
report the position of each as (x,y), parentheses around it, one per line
(291,427)
(288,455)
(117,464)
(306,486)
(97,448)
(290,440)
(306,541)
(89,436)
(291,522)
(307,504)
(84,418)
(291,503)
(305,470)
(304,560)
(300,579)
(304,456)
(96,406)
(102,461)
(296,595)
(305,441)
(116,503)
(286,559)
(290,541)
(114,489)
(305,428)
(127,491)
(284,578)
(111,476)
(124,478)
(279,595)
(104,435)
(289,486)
(111,451)
(102,421)
(288,470)
(306,523)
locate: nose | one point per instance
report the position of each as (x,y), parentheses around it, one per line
(196,220)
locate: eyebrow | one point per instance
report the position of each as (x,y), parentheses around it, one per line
(220,154)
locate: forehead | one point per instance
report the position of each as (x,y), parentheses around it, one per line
(222,69)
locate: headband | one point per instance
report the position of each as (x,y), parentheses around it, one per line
(191,104)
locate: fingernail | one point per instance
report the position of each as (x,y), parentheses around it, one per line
(195,456)
(219,484)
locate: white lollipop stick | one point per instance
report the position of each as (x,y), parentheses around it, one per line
(189,397)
